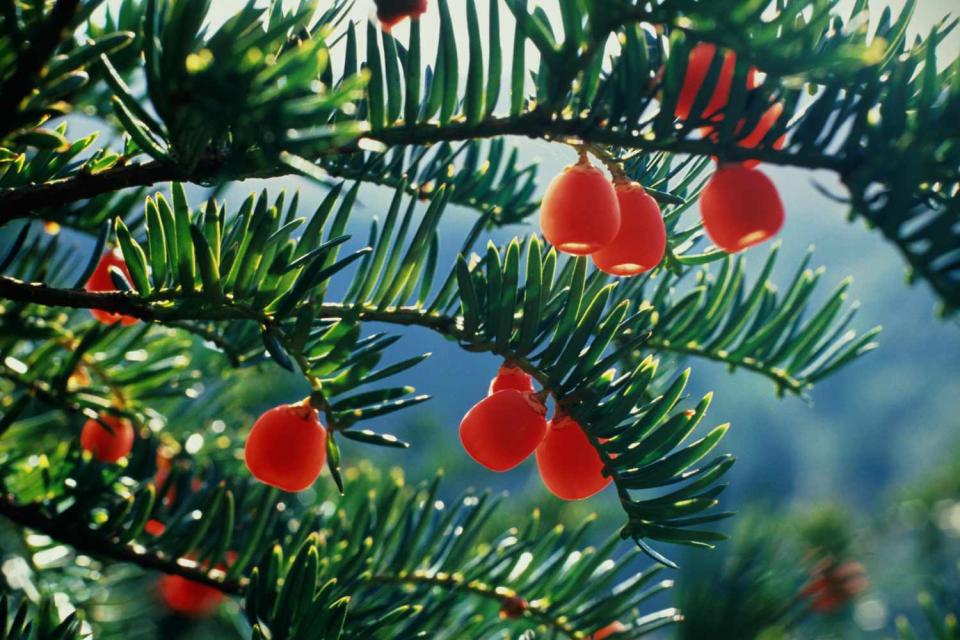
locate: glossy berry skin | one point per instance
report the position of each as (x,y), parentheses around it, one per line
(614,627)
(642,239)
(698,67)
(100,281)
(760,131)
(740,207)
(154,527)
(106,446)
(579,213)
(287,447)
(503,429)
(764,125)
(510,377)
(390,12)
(569,465)
(188,597)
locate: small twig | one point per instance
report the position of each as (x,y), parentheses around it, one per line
(88,541)
(617,173)
(18,202)
(458,583)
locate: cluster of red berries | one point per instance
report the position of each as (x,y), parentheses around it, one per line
(286,448)
(390,12)
(617,223)
(620,225)
(503,429)
(740,205)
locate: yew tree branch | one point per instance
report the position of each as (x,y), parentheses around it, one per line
(18,202)
(32,60)
(173,308)
(90,542)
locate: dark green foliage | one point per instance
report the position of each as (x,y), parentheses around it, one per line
(302,90)
(751,589)
(865,80)
(41,623)
(938,625)
(569,329)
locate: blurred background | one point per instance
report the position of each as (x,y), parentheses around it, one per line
(872,457)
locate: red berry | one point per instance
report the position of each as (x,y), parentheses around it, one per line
(503,429)
(755,137)
(511,377)
(605,632)
(579,213)
(569,464)
(189,597)
(390,12)
(100,281)
(834,585)
(513,607)
(154,527)
(740,208)
(767,121)
(106,446)
(698,66)
(642,239)
(287,447)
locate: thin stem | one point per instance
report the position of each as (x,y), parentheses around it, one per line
(126,303)
(780,377)
(613,166)
(88,541)
(129,304)
(454,582)
(18,202)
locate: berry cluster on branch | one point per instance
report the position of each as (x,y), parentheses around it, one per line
(104,345)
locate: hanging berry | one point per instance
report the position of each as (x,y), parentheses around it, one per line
(287,447)
(752,140)
(569,465)
(605,632)
(642,239)
(740,207)
(154,527)
(513,607)
(189,597)
(579,213)
(390,12)
(503,429)
(100,281)
(833,585)
(698,66)
(104,445)
(511,377)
